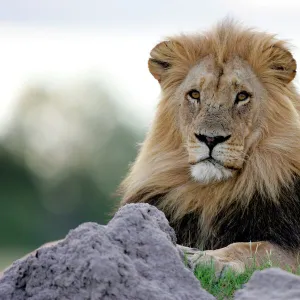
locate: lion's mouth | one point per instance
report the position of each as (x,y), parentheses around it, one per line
(208,159)
(215,162)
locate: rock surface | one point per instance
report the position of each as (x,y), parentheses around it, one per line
(271,284)
(133,257)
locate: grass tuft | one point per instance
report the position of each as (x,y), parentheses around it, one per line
(225,286)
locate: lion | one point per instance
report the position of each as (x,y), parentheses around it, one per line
(222,157)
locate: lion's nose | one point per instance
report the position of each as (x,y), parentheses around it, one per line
(212,141)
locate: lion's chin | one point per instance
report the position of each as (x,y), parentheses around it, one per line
(208,172)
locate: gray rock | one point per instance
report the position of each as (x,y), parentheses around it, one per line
(271,284)
(133,257)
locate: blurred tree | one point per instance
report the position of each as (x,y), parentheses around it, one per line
(19,201)
(65,154)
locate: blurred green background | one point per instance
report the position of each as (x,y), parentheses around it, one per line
(61,160)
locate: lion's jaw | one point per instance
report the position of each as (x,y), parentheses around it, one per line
(219,116)
(210,171)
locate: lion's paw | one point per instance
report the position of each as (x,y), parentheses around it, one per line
(220,263)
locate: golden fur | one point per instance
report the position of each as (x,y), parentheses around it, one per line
(162,168)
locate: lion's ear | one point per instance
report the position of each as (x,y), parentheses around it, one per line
(161,58)
(283,63)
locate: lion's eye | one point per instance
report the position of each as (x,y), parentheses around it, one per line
(194,94)
(242,96)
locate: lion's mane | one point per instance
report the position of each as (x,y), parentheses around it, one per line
(160,175)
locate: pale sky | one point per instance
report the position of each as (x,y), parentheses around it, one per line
(61,40)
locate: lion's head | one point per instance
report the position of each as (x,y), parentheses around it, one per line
(221,100)
(227,124)
(220,107)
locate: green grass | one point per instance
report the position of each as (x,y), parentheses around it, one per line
(225,286)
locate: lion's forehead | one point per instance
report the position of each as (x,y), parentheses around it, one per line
(211,77)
